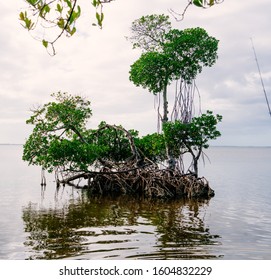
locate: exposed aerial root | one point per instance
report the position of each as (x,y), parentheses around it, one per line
(148,182)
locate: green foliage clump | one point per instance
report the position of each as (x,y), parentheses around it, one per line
(58,134)
(193,135)
(152,146)
(181,55)
(189,50)
(151,71)
(60,139)
(113,139)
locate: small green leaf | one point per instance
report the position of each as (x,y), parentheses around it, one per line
(72,18)
(61,23)
(68,3)
(98,16)
(21,16)
(47,8)
(28,23)
(59,8)
(211,3)
(95,3)
(198,3)
(45,43)
(32,2)
(78,11)
(73,31)
(99,19)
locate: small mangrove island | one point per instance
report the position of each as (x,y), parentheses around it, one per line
(111,160)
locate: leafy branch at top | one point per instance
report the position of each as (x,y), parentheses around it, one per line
(58,16)
(199,3)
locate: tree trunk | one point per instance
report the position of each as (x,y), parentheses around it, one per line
(171,159)
(195,159)
(195,166)
(165,105)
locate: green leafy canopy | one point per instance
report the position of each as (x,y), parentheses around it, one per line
(183,54)
(60,139)
(194,135)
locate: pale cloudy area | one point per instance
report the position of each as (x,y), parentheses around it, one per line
(95,63)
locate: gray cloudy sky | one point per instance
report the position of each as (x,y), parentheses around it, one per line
(95,63)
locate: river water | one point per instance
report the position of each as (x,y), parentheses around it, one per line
(67,223)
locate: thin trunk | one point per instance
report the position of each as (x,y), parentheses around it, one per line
(195,159)
(165,105)
(171,159)
(195,166)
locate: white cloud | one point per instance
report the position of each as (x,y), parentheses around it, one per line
(95,63)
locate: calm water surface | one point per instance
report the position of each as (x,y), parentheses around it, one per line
(47,223)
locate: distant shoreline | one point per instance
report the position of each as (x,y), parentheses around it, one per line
(222,146)
(229,146)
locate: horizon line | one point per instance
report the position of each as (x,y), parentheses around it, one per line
(211,146)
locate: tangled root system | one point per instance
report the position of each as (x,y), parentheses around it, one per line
(148,182)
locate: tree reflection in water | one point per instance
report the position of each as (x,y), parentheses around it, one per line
(119,228)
